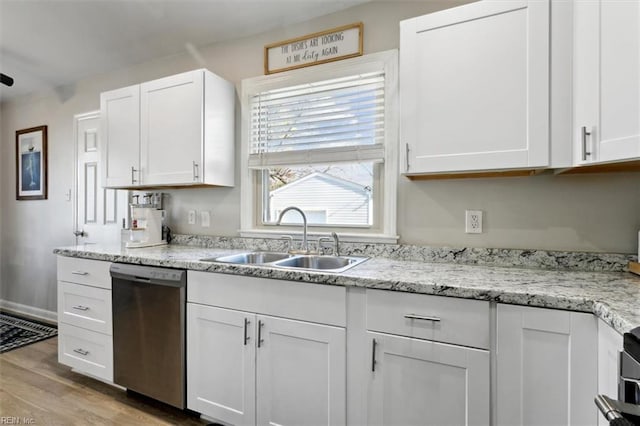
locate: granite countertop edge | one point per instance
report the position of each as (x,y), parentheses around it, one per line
(613,297)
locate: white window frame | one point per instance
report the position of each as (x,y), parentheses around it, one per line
(250,216)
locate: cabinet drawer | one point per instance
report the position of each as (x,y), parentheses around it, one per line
(86,351)
(441,319)
(324,304)
(84,271)
(85,306)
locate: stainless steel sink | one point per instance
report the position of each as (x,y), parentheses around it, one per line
(288,261)
(254,258)
(320,263)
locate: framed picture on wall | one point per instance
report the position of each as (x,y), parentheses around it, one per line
(31,163)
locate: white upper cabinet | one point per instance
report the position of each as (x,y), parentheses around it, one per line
(179,131)
(606,80)
(120,127)
(474,87)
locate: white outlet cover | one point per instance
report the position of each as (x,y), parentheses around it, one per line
(191,217)
(205,219)
(473,222)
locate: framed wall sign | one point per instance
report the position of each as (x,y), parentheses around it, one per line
(313,49)
(31,163)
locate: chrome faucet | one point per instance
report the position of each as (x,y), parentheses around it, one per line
(305,245)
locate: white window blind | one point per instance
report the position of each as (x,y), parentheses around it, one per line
(341,119)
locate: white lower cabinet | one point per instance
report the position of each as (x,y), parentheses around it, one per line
(221,364)
(546,367)
(248,366)
(610,344)
(427,360)
(85,335)
(300,373)
(420,382)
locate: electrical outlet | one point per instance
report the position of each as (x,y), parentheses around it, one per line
(473,221)
(191,217)
(205,219)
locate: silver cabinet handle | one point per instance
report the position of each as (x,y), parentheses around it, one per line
(585,153)
(133,178)
(81,352)
(79,273)
(422,317)
(246,326)
(81,308)
(260,341)
(195,171)
(407,154)
(373,354)
(80,233)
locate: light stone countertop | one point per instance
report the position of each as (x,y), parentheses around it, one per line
(612,296)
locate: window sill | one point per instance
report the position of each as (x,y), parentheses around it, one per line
(347,237)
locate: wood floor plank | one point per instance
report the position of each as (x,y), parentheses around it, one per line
(33,385)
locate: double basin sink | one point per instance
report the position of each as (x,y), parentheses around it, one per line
(309,262)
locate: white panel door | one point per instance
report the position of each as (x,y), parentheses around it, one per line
(301,373)
(172,129)
(99,211)
(546,367)
(221,363)
(606,80)
(474,83)
(419,382)
(120,124)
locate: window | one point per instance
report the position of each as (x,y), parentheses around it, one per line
(322,139)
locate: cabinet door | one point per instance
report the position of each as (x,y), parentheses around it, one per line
(301,373)
(120,128)
(420,382)
(606,80)
(610,344)
(546,367)
(172,129)
(474,87)
(221,363)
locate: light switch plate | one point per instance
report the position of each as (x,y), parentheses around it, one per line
(191,217)
(205,219)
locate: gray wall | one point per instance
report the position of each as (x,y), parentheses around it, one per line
(582,213)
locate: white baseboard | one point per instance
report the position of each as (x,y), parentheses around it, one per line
(30,311)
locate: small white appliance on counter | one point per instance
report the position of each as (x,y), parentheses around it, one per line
(146,222)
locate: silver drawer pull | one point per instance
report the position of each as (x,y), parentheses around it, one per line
(422,317)
(79,273)
(81,352)
(81,308)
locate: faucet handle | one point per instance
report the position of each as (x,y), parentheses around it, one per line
(336,244)
(289,239)
(322,240)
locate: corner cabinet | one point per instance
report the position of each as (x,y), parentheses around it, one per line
(606,81)
(546,366)
(263,351)
(476,103)
(174,131)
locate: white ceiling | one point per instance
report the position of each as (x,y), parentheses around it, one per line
(50,43)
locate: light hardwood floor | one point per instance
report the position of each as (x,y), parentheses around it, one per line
(33,385)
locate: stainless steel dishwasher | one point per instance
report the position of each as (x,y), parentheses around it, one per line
(149,331)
